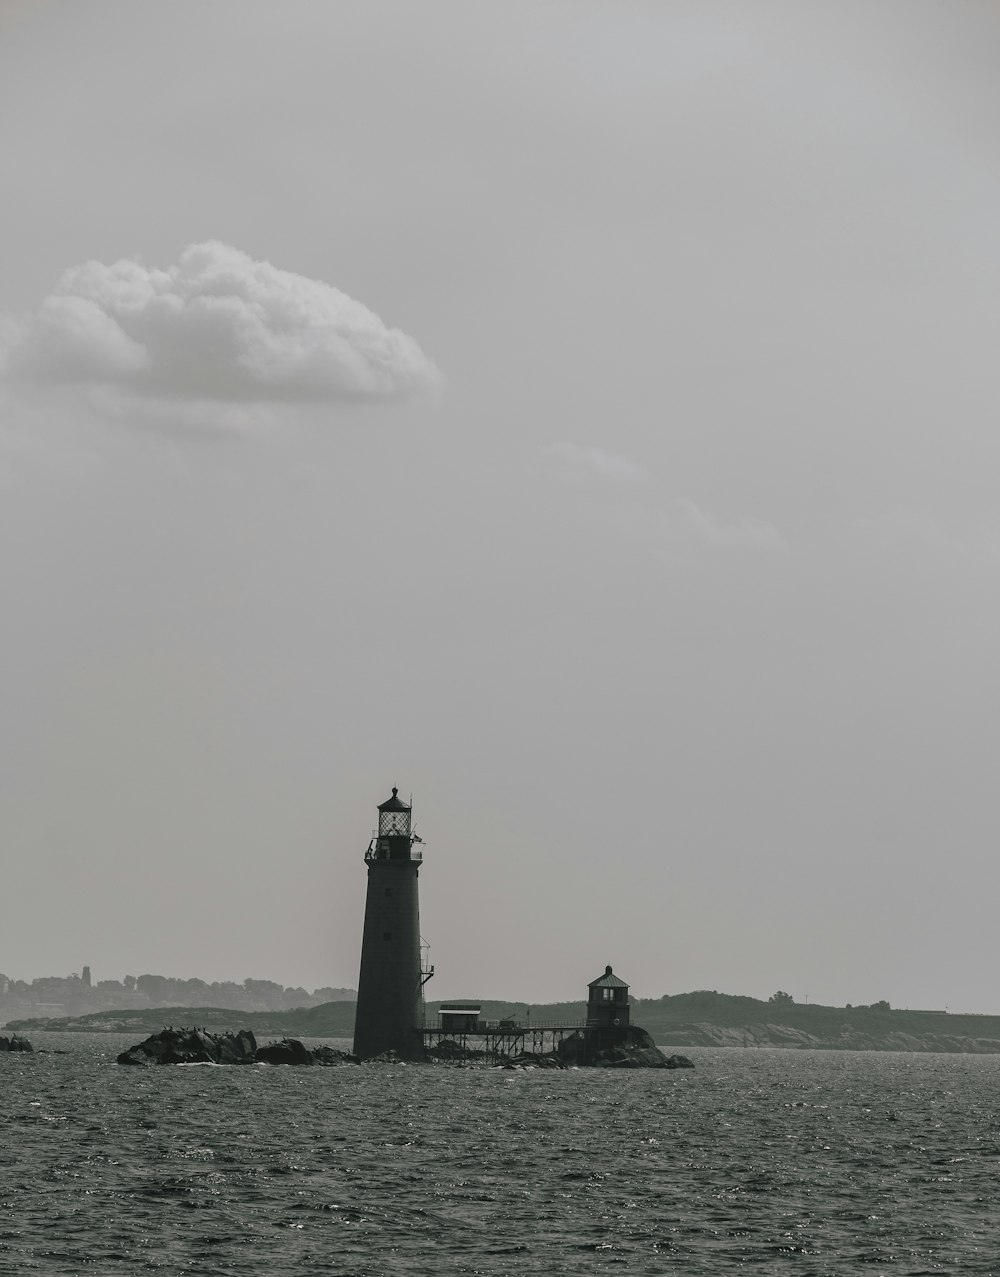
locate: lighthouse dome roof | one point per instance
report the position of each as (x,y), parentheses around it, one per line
(394,803)
(608,981)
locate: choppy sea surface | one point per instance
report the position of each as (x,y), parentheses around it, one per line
(803,1162)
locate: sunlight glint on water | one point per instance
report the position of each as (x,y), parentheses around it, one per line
(807,1162)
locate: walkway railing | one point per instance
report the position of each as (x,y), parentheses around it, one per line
(507,1026)
(373,853)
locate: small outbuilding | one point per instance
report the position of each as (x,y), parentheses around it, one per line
(607,1002)
(460,1017)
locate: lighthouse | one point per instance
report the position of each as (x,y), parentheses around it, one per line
(389,1015)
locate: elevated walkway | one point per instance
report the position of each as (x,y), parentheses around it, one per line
(501,1039)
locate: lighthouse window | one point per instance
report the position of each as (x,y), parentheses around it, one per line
(609,995)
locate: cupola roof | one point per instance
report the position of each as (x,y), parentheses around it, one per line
(608,981)
(394,803)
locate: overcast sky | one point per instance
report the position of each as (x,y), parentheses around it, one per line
(583,416)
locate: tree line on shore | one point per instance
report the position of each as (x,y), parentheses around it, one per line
(78,994)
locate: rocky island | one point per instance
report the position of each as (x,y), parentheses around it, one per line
(634,1050)
(15,1043)
(199,1046)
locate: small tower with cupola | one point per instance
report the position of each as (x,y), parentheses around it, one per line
(607,1002)
(389,1013)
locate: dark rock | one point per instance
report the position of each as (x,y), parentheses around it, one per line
(292,1051)
(628,1048)
(287,1051)
(15,1043)
(454,1052)
(198,1046)
(234,1048)
(193,1046)
(448,1049)
(328,1056)
(536,1060)
(679,1062)
(629,1056)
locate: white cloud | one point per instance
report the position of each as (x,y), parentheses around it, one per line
(748,532)
(637,506)
(216,326)
(576,463)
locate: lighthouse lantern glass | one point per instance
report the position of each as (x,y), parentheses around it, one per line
(393,822)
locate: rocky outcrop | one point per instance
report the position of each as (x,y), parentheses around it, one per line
(327,1055)
(450,1051)
(535,1060)
(292,1051)
(198,1046)
(628,1048)
(15,1043)
(193,1046)
(287,1051)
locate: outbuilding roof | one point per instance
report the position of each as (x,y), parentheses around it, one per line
(608,981)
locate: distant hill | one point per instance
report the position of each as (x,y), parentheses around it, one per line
(707,1018)
(329,1020)
(704,1018)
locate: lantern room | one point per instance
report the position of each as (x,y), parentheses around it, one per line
(394,837)
(607,1002)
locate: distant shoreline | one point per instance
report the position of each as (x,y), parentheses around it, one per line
(702,1019)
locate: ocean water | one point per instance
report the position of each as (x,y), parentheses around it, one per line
(766,1160)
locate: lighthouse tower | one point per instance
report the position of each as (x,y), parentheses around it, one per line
(389,1015)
